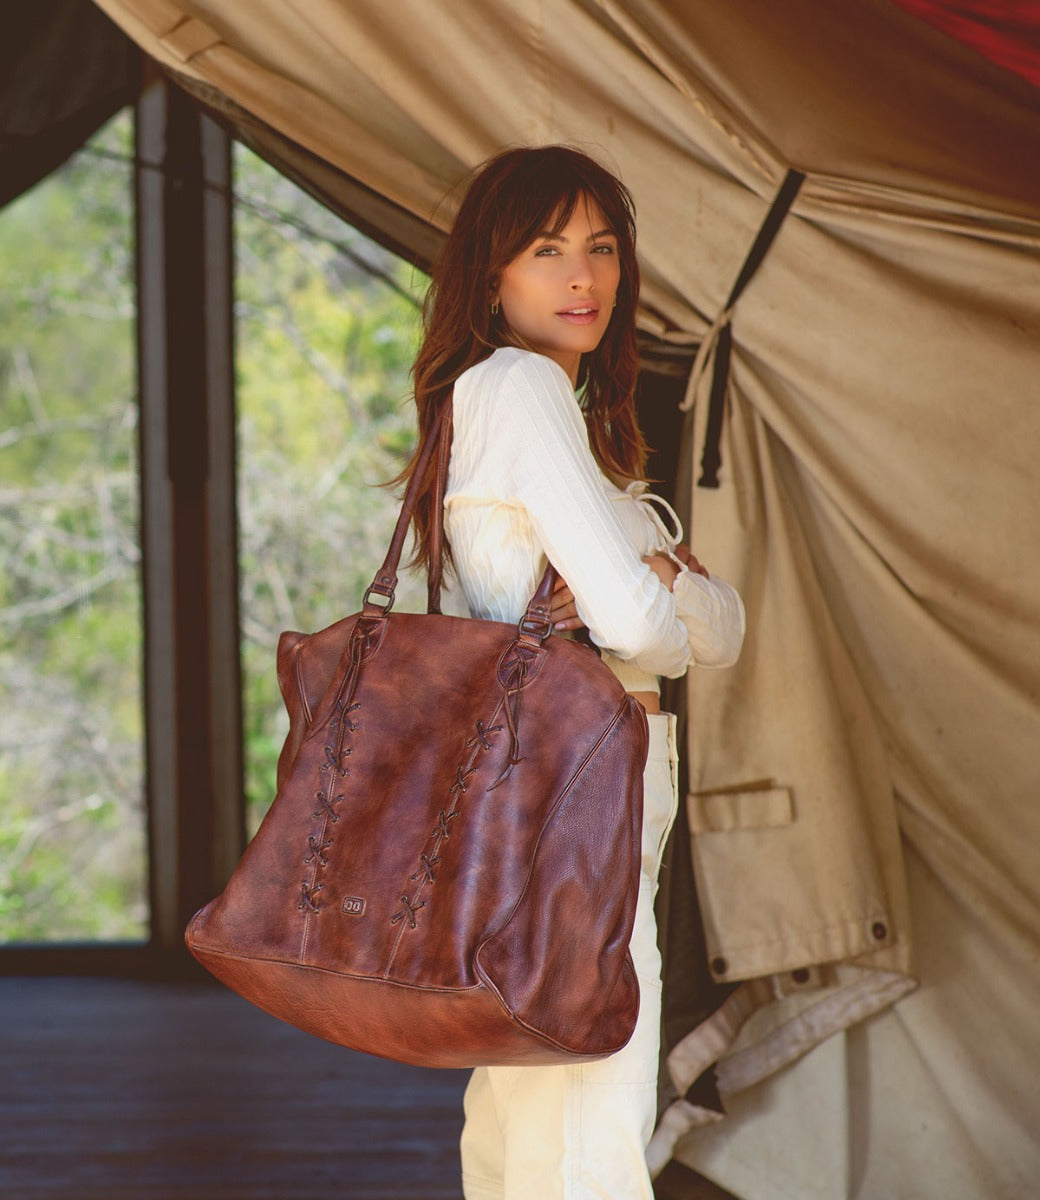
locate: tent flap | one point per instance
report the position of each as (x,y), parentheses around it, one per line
(876,508)
(65,71)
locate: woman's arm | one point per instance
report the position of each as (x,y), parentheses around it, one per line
(713,616)
(541,448)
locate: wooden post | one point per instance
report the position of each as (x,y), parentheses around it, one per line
(186,365)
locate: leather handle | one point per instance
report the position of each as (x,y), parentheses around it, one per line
(385,581)
(435,572)
(535,624)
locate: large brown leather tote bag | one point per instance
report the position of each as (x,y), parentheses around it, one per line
(448,873)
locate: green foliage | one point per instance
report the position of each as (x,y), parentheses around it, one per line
(324,349)
(72,860)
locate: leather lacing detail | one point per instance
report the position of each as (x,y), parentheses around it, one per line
(335,768)
(513,676)
(308,891)
(428,859)
(481,737)
(341,714)
(318,849)
(410,909)
(426,865)
(334,762)
(328,804)
(443,822)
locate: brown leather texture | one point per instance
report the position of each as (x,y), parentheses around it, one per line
(449,871)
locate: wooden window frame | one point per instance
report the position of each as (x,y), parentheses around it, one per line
(194,789)
(192,679)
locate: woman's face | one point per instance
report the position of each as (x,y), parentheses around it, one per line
(557,295)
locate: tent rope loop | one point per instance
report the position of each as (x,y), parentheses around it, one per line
(717,345)
(704,358)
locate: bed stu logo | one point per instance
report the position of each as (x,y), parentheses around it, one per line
(353,906)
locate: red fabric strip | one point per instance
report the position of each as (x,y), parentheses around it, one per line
(1005,31)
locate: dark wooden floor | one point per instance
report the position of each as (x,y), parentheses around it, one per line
(115,1089)
(126,1090)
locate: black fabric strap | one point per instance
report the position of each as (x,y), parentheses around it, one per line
(711,459)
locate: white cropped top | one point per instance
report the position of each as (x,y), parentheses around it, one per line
(523,485)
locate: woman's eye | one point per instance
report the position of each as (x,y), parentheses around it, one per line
(602,248)
(545,251)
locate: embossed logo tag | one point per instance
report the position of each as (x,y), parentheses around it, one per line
(353,906)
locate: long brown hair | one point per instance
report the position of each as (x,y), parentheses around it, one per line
(509,202)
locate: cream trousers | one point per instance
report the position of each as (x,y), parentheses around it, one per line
(580,1132)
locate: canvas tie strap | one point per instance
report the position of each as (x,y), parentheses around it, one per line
(717,346)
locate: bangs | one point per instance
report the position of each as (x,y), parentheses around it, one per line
(541,194)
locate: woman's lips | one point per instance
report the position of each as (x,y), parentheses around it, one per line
(579,314)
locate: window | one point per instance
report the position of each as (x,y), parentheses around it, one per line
(326,329)
(73,860)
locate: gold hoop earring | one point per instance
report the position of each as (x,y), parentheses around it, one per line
(494,308)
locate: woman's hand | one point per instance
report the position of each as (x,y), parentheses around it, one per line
(687,557)
(663,568)
(565,614)
(563,610)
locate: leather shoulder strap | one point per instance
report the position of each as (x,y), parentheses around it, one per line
(385,581)
(435,570)
(384,584)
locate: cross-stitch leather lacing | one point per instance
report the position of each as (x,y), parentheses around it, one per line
(328,803)
(411,907)
(318,849)
(443,820)
(426,865)
(428,859)
(341,715)
(339,725)
(481,736)
(459,786)
(333,761)
(308,891)
(513,675)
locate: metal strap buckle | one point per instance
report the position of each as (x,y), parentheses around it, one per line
(538,624)
(374,589)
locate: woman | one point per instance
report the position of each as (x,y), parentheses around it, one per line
(533,301)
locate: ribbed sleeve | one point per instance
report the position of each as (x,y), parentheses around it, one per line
(521,439)
(713,614)
(523,484)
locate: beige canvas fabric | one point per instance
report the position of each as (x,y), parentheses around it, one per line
(878,509)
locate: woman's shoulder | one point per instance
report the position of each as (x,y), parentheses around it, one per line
(518,391)
(510,366)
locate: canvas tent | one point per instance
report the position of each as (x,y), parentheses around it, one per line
(861,790)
